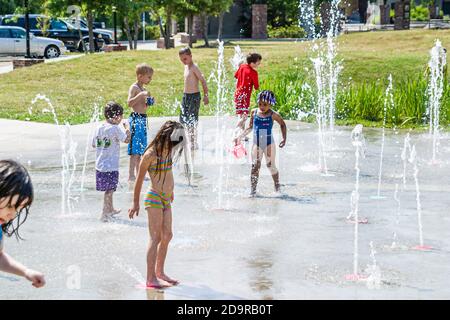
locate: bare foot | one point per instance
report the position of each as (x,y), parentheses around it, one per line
(155,284)
(104,218)
(114,212)
(168,279)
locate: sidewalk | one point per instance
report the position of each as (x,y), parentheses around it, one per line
(6,67)
(150,44)
(6,63)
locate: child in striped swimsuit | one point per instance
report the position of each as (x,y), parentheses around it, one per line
(157,160)
(261,122)
(155,199)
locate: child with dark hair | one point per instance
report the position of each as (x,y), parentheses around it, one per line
(261,122)
(107,140)
(161,154)
(16,197)
(247,79)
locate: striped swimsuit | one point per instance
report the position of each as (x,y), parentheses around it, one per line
(153,198)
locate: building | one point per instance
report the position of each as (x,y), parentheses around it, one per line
(239,17)
(355,10)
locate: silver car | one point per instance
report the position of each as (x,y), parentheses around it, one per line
(13,42)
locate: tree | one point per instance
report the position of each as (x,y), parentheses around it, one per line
(130,13)
(88,7)
(218,8)
(282,13)
(18,6)
(205,9)
(279,13)
(7,6)
(164,11)
(189,9)
(91,6)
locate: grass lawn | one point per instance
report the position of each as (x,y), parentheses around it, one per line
(74,86)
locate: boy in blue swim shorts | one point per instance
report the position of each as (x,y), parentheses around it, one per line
(138,99)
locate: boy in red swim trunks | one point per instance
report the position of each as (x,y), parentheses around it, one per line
(247,79)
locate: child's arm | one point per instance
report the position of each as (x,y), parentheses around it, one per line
(282,124)
(202,79)
(128,133)
(9,265)
(247,130)
(124,136)
(236,74)
(136,97)
(94,139)
(143,166)
(256,81)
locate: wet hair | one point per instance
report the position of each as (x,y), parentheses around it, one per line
(15,181)
(267,96)
(169,137)
(112,110)
(143,69)
(185,50)
(253,58)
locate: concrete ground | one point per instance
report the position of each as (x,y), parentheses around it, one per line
(293,245)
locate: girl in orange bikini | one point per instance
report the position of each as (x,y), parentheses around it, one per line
(158,158)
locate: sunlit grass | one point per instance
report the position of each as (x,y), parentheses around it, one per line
(74,86)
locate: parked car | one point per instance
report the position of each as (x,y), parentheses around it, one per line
(41,25)
(99,25)
(107,35)
(13,42)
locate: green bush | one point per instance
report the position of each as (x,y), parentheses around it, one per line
(151,33)
(357,102)
(286,32)
(420,13)
(293,97)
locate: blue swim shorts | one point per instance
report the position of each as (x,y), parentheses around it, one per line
(138,128)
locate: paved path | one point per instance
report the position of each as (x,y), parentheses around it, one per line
(6,64)
(294,245)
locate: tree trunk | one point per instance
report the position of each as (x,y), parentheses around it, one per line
(167,29)
(91,31)
(190,28)
(83,44)
(219,33)
(128,32)
(205,29)
(161,28)
(136,33)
